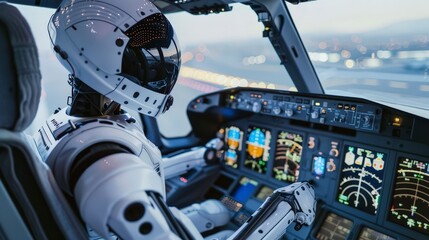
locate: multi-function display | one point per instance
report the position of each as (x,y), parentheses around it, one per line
(288,156)
(233,140)
(410,198)
(334,227)
(370,234)
(257,149)
(361,178)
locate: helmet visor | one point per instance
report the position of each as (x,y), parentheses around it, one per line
(152,56)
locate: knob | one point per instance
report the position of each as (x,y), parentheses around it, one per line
(256,107)
(276,110)
(315,114)
(330,166)
(334,152)
(289,112)
(367,120)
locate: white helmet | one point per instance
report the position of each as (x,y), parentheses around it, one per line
(124,49)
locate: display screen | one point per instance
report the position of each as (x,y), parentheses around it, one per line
(361,178)
(263,193)
(371,234)
(244,190)
(257,149)
(233,140)
(334,227)
(288,156)
(410,199)
(319,164)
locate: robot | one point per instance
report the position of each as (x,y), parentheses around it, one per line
(126,53)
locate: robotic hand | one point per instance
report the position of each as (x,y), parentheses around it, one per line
(294,203)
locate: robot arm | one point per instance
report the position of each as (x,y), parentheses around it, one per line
(114,175)
(120,192)
(294,203)
(195,157)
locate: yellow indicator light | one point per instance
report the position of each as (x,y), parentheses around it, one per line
(317,104)
(397,121)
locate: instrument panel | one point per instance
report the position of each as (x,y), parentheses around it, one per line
(369,163)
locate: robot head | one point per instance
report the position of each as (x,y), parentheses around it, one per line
(125,50)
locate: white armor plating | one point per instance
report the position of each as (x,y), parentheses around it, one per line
(110,184)
(63,137)
(83,31)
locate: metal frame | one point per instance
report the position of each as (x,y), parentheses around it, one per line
(285,39)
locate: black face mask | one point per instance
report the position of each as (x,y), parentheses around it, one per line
(152,56)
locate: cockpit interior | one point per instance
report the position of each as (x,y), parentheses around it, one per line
(365,160)
(365,151)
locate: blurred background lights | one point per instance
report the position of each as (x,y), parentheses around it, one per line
(251,60)
(349,63)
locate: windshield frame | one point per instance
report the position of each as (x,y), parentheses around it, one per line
(286,41)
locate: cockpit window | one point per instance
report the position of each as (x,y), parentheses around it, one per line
(377,50)
(220,51)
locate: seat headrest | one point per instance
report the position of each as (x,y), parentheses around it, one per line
(20,78)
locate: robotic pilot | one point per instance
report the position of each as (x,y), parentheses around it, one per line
(126,53)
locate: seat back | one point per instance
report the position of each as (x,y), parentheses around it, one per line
(32,206)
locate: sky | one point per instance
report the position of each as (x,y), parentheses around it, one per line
(355,15)
(343,16)
(320,16)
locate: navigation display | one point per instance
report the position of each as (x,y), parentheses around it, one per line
(361,178)
(410,199)
(288,156)
(257,149)
(334,227)
(244,190)
(233,141)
